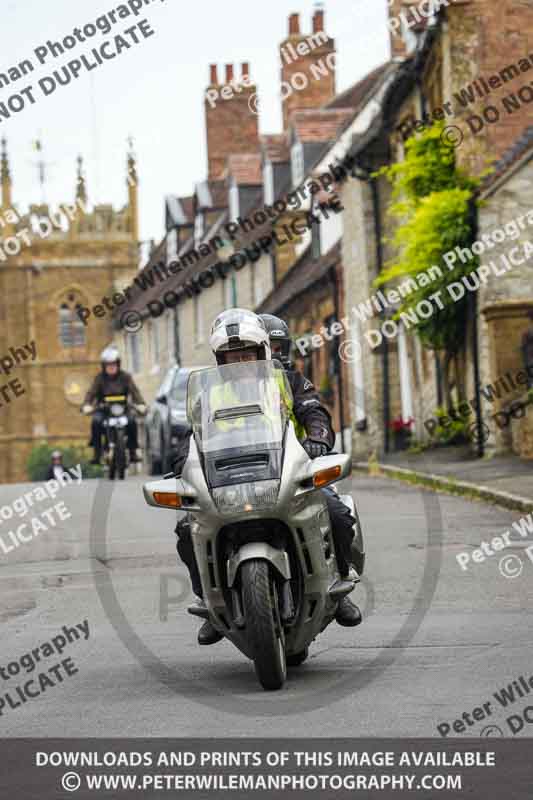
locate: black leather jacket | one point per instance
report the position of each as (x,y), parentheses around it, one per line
(121,383)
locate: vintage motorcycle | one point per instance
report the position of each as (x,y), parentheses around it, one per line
(115,422)
(259,523)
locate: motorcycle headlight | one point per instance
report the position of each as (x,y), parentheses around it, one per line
(246,497)
(117,410)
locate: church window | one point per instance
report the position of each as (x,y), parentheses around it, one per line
(71,328)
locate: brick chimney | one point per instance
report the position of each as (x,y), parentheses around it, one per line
(397,42)
(231,126)
(307,66)
(318,20)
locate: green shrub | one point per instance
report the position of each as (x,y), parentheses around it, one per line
(41,456)
(455,431)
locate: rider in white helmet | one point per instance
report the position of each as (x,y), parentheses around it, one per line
(112,380)
(240,335)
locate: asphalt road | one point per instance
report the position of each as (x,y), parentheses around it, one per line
(436,641)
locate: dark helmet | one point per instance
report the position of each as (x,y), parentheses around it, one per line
(280,338)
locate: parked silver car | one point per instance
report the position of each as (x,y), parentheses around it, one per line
(166,419)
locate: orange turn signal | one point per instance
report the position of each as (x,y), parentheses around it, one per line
(167,499)
(325,476)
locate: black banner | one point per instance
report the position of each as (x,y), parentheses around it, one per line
(484,769)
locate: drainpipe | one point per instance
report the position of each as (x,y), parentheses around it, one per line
(475,345)
(385,344)
(177,341)
(438,378)
(336,304)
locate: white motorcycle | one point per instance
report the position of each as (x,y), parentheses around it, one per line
(260,526)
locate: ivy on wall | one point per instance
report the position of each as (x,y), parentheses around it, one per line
(432,205)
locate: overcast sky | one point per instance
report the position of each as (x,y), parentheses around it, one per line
(154,91)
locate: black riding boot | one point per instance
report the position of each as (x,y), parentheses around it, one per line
(342,522)
(207,633)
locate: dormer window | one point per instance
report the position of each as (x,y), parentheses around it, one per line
(172,245)
(268,183)
(234,201)
(198,227)
(297,164)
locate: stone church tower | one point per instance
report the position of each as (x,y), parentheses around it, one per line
(51,261)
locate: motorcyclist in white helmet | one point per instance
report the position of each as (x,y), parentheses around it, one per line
(241,335)
(112,380)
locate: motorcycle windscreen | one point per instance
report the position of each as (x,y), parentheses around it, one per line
(238,414)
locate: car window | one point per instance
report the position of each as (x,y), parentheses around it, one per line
(167,382)
(179,387)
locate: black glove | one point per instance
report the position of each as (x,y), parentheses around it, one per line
(314,448)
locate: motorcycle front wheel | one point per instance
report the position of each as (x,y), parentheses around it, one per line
(263,624)
(117,468)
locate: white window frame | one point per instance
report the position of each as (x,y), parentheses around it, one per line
(297,164)
(228,291)
(171,336)
(268,183)
(172,244)
(135,352)
(199,227)
(258,286)
(234,201)
(156,343)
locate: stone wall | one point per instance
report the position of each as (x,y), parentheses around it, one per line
(522,434)
(486,37)
(33,286)
(505,300)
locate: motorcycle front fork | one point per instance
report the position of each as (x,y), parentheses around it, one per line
(287,610)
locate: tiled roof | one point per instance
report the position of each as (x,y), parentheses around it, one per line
(515,153)
(301,277)
(320,125)
(245,168)
(355,94)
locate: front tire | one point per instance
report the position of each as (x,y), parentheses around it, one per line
(118,466)
(263,625)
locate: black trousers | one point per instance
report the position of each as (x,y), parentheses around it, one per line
(186,553)
(97,431)
(342,524)
(342,528)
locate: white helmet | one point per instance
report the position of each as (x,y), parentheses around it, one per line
(110,355)
(239,329)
